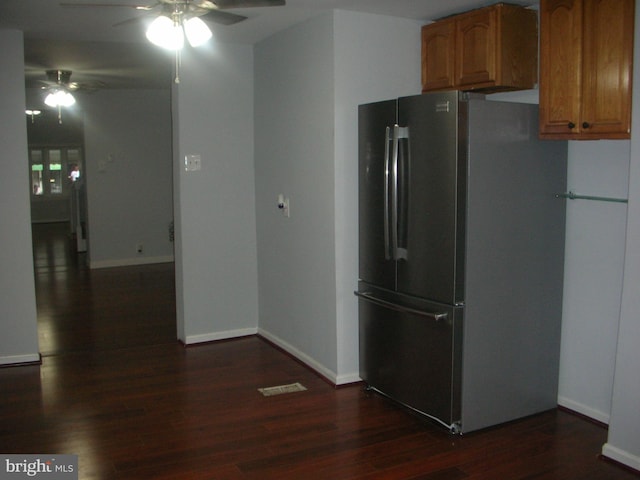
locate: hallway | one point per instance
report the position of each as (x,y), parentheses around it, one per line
(88,310)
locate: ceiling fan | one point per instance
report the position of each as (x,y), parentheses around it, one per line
(209,10)
(61,80)
(59,87)
(177,19)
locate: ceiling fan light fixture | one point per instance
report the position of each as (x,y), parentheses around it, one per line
(197,32)
(32,114)
(59,98)
(166,33)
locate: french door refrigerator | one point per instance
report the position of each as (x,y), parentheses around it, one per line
(461,247)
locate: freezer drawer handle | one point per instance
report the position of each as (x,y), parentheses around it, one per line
(371,298)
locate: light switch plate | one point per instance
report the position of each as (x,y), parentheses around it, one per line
(192,163)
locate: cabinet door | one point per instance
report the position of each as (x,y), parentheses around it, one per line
(438,52)
(560,66)
(607,60)
(476,37)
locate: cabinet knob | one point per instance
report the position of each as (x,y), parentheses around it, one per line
(571,125)
(585,125)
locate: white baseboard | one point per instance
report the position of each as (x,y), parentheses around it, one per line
(303,357)
(621,456)
(310,362)
(348,378)
(128,262)
(212,337)
(19,359)
(585,410)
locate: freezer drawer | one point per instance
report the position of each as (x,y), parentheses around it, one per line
(411,353)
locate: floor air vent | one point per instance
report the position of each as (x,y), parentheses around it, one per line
(280,389)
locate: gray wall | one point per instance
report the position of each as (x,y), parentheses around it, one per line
(594,261)
(216,264)
(18,320)
(129,176)
(623,443)
(294,156)
(309,81)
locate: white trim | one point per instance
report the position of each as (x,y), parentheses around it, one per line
(304,358)
(310,362)
(127,262)
(598,415)
(621,456)
(18,359)
(348,378)
(212,337)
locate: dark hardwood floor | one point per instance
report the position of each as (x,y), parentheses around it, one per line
(87,310)
(116,389)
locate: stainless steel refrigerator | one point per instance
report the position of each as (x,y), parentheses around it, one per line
(461,247)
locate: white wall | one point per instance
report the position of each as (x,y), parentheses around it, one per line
(214,208)
(19,339)
(129,176)
(623,443)
(309,81)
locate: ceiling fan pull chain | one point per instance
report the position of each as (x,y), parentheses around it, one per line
(178,63)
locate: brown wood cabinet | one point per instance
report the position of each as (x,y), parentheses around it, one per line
(490,49)
(586,56)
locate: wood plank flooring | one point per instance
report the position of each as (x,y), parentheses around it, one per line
(81,309)
(157,410)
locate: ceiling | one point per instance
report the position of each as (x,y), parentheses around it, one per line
(86,41)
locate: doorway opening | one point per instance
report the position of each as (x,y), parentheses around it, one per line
(81,308)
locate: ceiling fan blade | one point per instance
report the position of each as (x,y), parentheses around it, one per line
(248,3)
(46,84)
(89,87)
(223,18)
(125,5)
(131,21)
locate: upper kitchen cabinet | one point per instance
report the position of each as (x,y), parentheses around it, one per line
(586,54)
(491,49)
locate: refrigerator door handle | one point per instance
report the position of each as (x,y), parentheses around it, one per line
(398,133)
(394,193)
(387,246)
(369,297)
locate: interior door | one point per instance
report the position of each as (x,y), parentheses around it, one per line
(376,267)
(433,229)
